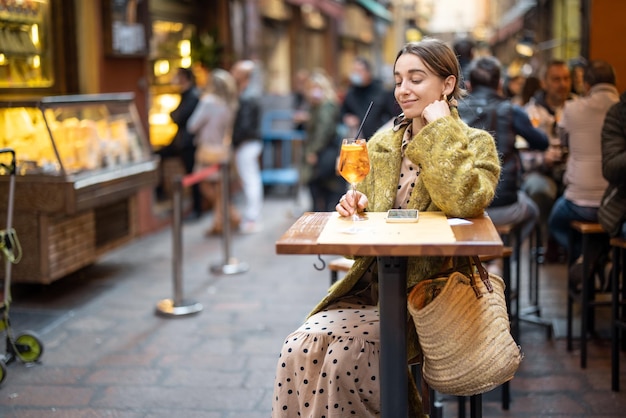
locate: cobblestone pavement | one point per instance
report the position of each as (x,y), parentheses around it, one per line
(107,354)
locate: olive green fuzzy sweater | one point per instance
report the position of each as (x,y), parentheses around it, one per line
(459,173)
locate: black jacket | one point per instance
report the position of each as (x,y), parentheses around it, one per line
(247,121)
(357,101)
(188,101)
(485,109)
(614,145)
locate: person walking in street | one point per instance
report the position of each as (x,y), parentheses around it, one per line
(212,125)
(364,89)
(182,146)
(581,130)
(486,109)
(464,48)
(430,161)
(322,144)
(248,145)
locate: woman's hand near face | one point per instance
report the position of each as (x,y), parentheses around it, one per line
(350,203)
(435,110)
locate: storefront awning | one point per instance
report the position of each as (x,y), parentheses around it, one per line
(376,9)
(331,8)
(513,20)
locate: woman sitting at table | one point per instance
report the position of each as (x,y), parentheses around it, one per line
(429,160)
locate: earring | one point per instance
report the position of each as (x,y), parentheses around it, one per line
(445,98)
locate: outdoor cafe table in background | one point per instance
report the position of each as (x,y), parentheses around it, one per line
(433,235)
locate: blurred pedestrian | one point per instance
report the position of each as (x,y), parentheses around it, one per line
(363,90)
(300,102)
(581,130)
(513,87)
(212,125)
(247,143)
(532,85)
(322,144)
(464,48)
(577,68)
(183,146)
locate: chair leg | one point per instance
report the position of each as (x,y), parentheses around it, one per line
(615,317)
(570,298)
(570,312)
(476,406)
(506,395)
(586,317)
(461,403)
(333,277)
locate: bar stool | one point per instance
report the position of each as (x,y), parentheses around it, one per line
(618,310)
(339,264)
(590,231)
(532,313)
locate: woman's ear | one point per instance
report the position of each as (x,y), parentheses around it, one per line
(448,86)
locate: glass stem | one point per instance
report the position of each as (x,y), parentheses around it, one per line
(355,215)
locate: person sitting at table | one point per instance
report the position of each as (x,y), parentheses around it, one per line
(429,160)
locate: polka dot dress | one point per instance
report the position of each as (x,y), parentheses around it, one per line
(329,366)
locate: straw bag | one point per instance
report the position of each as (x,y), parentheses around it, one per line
(464,333)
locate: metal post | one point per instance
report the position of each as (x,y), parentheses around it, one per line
(11,198)
(177,306)
(230,265)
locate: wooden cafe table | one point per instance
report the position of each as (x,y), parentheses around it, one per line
(319,233)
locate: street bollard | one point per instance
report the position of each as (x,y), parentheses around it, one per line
(177,306)
(229,265)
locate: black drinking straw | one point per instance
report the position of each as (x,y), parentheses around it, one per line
(363,121)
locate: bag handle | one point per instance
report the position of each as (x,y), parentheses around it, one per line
(484,276)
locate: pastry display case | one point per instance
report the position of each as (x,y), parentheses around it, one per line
(81,160)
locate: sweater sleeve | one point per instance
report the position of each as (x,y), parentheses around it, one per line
(460,167)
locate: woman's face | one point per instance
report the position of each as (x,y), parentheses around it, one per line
(416,85)
(315,93)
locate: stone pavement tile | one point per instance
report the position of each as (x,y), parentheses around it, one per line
(42,374)
(52,396)
(153,398)
(128,375)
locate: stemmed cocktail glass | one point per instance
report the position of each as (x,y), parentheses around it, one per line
(354,164)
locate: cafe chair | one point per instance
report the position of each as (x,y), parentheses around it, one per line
(339,264)
(281,156)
